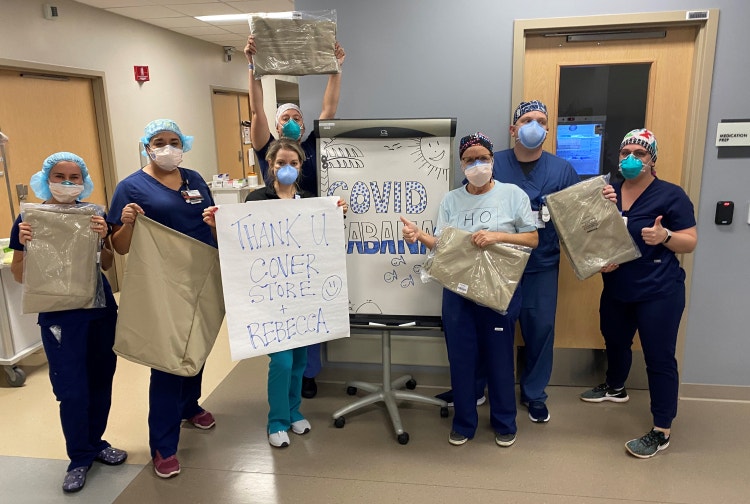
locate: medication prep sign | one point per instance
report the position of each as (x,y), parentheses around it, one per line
(733,134)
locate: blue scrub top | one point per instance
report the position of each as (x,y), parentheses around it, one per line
(504,208)
(164,205)
(657,272)
(550,174)
(65,316)
(309,178)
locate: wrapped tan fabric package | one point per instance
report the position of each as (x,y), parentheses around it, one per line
(488,276)
(171,303)
(591,230)
(60,265)
(294,43)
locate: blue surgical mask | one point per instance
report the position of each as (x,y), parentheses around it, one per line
(287,174)
(531,135)
(631,167)
(291,130)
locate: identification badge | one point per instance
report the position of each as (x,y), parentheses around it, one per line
(192,196)
(539,220)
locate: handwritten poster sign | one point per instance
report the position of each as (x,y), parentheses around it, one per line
(283,274)
(387,168)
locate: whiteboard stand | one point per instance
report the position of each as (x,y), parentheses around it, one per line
(388,391)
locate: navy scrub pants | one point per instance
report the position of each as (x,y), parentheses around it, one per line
(171,399)
(473,334)
(657,321)
(537,320)
(81,367)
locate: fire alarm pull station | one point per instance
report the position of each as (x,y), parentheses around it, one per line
(724,212)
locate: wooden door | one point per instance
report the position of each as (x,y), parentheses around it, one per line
(671,62)
(41,115)
(233,148)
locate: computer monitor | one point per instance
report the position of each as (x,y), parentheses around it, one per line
(580,140)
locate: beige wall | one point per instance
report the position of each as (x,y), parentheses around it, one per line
(182,71)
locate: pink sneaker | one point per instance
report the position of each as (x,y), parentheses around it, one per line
(203,420)
(166,467)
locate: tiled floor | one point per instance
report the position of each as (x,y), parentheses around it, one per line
(577,458)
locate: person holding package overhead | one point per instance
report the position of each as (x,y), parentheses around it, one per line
(476,335)
(648,294)
(290,124)
(78,342)
(175,197)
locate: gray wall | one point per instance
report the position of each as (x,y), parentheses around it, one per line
(437,58)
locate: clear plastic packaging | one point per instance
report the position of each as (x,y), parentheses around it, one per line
(591,230)
(294,43)
(489,276)
(61,261)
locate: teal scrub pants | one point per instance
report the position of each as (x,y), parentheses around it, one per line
(285,388)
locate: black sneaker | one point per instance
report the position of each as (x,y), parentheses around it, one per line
(538,412)
(457,439)
(603,392)
(649,445)
(309,387)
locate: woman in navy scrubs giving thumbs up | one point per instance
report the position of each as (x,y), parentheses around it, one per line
(648,294)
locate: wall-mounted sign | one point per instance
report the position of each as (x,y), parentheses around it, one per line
(141,73)
(733,134)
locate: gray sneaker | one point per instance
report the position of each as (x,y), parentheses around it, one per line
(457,439)
(604,392)
(649,445)
(505,440)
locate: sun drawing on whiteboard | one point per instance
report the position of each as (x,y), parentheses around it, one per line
(429,154)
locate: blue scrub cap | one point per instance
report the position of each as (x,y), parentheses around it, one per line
(528,106)
(160,125)
(40,180)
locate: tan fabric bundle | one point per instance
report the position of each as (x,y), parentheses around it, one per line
(60,265)
(294,46)
(591,230)
(488,276)
(171,303)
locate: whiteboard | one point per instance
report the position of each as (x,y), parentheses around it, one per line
(384,169)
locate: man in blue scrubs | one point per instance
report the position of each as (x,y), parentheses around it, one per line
(538,173)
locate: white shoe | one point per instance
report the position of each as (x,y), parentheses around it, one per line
(279,439)
(301,427)
(481,400)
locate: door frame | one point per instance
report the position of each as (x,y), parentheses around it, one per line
(102,117)
(700,93)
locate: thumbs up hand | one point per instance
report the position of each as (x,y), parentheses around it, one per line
(410,232)
(654,235)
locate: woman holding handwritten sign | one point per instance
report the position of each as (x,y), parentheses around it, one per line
(285,158)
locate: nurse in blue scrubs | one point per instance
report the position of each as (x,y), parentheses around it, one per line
(175,197)
(648,294)
(78,343)
(476,335)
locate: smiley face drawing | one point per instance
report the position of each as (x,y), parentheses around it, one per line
(331,287)
(431,155)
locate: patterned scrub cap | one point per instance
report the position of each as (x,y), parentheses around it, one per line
(159,125)
(472,140)
(644,138)
(40,180)
(528,106)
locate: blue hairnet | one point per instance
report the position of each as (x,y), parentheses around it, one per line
(159,125)
(40,180)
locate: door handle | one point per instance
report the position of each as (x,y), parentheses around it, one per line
(239,156)
(22,190)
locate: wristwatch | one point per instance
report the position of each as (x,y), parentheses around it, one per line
(669,236)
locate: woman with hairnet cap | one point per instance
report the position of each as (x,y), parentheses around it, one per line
(175,197)
(648,294)
(78,343)
(290,124)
